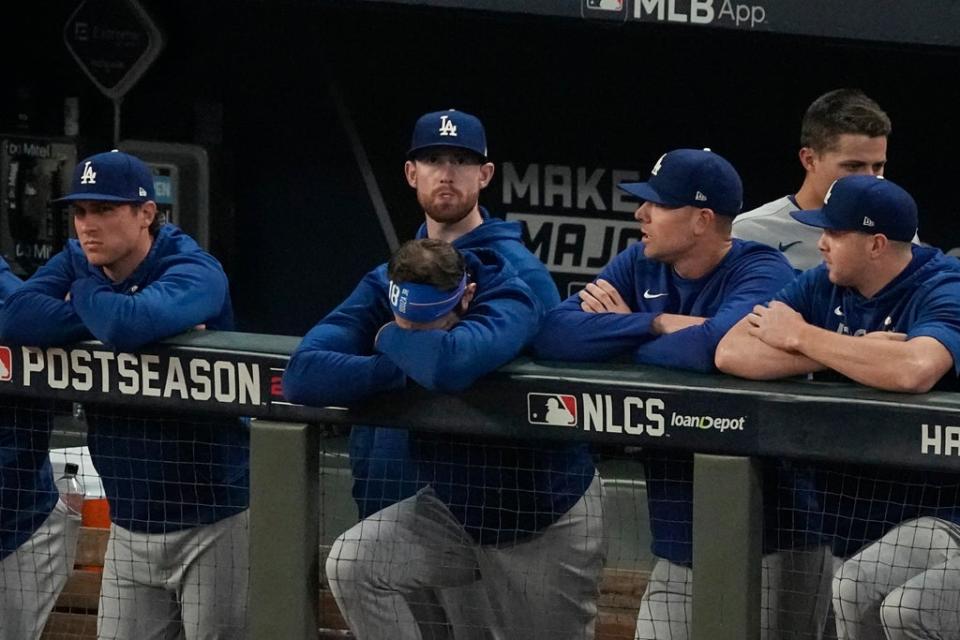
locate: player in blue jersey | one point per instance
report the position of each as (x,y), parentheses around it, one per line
(668,300)
(178,486)
(527,518)
(447,165)
(885,314)
(38,534)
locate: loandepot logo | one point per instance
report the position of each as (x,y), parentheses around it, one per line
(701,12)
(708,422)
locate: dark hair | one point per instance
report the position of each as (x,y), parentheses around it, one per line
(838,112)
(427,261)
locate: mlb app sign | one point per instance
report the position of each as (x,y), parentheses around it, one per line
(552,408)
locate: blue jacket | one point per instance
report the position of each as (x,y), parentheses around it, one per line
(383,471)
(27,490)
(160,471)
(498,489)
(862,502)
(750,273)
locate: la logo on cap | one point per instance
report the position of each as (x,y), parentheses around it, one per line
(447,128)
(89,175)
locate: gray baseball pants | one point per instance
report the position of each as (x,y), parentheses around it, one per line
(189,584)
(33,576)
(794,597)
(545,586)
(905,585)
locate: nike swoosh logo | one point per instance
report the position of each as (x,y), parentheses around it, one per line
(838,311)
(651,296)
(784,247)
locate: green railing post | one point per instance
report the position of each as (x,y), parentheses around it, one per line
(727,519)
(284,531)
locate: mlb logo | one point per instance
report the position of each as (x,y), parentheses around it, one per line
(605,5)
(555,409)
(6,364)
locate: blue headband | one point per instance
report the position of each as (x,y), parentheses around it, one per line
(423,303)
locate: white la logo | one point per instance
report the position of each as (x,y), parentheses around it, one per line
(89,175)
(447,128)
(867,222)
(826,198)
(656,167)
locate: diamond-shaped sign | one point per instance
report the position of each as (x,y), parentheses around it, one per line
(114,42)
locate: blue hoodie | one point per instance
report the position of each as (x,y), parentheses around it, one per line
(380,457)
(749,274)
(27,491)
(160,471)
(862,502)
(499,489)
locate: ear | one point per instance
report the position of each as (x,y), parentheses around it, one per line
(486,174)
(878,244)
(704,220)
(149,209)
(410,171)
(468,294)
(807,157)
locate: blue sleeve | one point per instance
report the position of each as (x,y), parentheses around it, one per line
(335,363)
(38,313)
(569,333)
(939,318)
(693,348)
(8,281)
(189,292)
(498,325)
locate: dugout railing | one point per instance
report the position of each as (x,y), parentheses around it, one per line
(728,424)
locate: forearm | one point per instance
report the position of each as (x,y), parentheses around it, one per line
(743,355)
(575,335)
(884,364)
(36,319)
(322,378)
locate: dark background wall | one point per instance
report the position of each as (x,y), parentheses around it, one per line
(291,217)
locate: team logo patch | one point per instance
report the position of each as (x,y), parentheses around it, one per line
(605,5)
(552,408)
(447,128)
(89,176)
(6,364)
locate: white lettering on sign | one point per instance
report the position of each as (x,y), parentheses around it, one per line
(631,415)
(939,440)
(575,245)
(701,12)
(146,375)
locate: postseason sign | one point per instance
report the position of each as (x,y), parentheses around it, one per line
(182,378)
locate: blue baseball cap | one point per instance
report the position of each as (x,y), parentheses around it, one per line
(869,204)
(449,128)
(112,176)
(691,177)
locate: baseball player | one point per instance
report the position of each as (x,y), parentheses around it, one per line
(843,133)
(447,165)
(668,300)
(38,534)
(526,517)
(885,314)
(176,560)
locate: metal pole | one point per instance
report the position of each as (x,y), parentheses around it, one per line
(727,529)
(284,531)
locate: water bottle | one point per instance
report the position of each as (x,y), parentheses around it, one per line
(71,490)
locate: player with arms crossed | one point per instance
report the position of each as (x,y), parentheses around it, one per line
(843,133)
(668,300)
(178,487)
(886,314)
(38,534)
(527,519)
